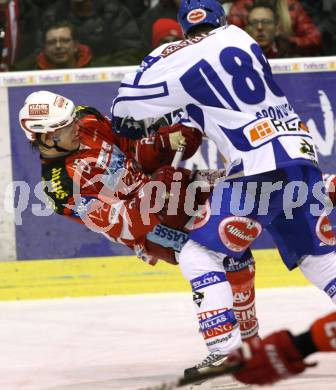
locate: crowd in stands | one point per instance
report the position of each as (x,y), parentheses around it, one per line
(52,34)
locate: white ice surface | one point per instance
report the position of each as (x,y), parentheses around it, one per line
(129,342)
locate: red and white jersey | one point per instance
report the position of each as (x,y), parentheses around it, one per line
(100,184)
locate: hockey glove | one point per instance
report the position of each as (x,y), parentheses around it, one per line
(178,134)
(176,181)
(268,360)
(143,254)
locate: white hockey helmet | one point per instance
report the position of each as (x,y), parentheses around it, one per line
(45,112)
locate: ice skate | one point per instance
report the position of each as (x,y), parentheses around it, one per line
(214,362)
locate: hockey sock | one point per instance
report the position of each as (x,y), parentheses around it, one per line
(321,271)
(212,297)
(241,275)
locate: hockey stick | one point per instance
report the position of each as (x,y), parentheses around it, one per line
(224,369)
(178,155)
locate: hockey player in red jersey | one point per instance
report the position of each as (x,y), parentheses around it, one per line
(100,179)
(90,174)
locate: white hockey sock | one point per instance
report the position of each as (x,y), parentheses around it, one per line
(212,296)
(321,271)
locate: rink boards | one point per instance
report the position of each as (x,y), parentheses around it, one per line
(32,231)
(88,263)
(40,279)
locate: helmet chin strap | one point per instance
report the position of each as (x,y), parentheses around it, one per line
(55,145)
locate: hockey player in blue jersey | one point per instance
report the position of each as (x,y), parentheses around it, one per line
(223,83)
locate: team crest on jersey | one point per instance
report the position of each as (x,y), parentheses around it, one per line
(324,231)
(238,233)
(196,15)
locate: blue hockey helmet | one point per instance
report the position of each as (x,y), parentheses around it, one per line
(196,12)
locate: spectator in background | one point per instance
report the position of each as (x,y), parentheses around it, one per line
(18,21)
(61,50)
(106,26)
(164,9)
(165,31)
(263,26)
(324,15)
(3,65)
(295,25)
(137,7)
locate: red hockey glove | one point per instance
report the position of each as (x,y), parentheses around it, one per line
(151,252)
(178,134)
(142,254)
(269,360)
(158,150)
(160,252)
(323,333)
(176,182)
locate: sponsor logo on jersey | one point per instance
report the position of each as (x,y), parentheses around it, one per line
(198,298)
(208,280)
(308,150)
(265,130)
(261,131)
(49,200)
(38,109)
(168,237)
(196,15)
(324,230)
(56,184)
(280,112)
(237,233)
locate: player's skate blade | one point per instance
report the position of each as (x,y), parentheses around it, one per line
(210,365)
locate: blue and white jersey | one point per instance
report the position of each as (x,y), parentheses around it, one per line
(224,84)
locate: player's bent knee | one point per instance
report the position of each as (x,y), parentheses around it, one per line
(321,271)
(195,260)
